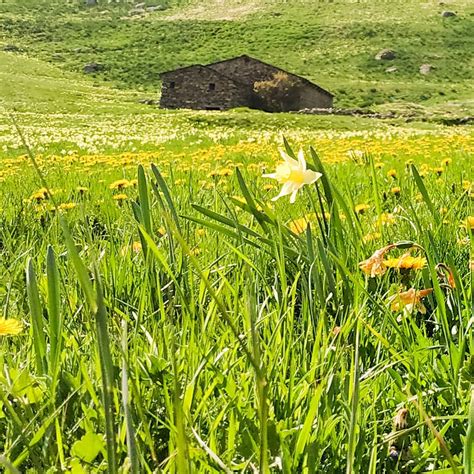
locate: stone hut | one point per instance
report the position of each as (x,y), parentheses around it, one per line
(231,83)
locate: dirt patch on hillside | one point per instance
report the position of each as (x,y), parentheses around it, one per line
(218,10)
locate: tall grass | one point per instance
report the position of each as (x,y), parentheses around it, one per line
(230,340)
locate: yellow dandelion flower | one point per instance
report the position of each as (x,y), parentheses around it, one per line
(10,327)
(469,223)
(121,197)
(224,172)
(396,191)
(40,195)
(298,226)
(67,205)
(119,184)
(361,208)
(406,262)
(392,173)
(82,189)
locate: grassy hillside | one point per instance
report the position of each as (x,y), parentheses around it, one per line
(29,85)
(333,44)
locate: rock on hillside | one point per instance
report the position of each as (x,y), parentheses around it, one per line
(385,54)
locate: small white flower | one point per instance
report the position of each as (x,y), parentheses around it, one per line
(293,175)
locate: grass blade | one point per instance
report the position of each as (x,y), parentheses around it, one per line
(36,309)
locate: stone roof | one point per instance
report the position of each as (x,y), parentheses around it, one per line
(303,79)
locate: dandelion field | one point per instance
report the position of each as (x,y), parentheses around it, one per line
(161,312)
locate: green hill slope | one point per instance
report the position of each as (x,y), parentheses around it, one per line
(30,85)
(331,43)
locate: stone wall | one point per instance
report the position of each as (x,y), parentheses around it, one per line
(310,97)
(198,87)
(248,71)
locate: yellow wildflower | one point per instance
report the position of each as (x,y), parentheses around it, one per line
(396,191)
(67,205)
(40,195)
(446,162)
(10,327)
(121,197)
(298,226)
(469,224)
(406,262)
(224,172)
(361,208)
(392,173)
(293,175)
(120,184)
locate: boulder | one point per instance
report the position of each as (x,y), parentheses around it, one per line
(385,55)
(391,69)
(447,14)
(425,69)
(91,68)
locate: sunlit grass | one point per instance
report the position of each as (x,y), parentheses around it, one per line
(196,325)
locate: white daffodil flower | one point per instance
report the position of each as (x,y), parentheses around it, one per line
(293,175)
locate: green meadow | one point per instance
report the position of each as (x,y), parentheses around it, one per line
(163,311)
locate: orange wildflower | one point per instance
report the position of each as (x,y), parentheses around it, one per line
(409,300)
(375,265)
